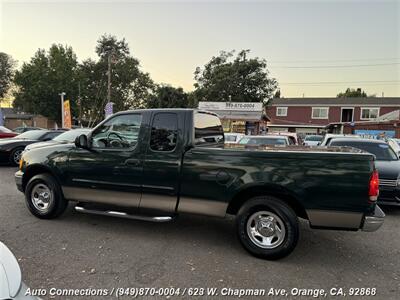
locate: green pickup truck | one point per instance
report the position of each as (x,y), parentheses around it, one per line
(156,164)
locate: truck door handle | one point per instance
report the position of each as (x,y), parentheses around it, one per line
(132,162)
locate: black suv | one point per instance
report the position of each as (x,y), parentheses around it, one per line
(387,163)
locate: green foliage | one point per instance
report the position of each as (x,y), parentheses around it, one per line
(7,65)
(349,93)
(130,87)
(239,79)
(51,72)
(167,96)
(42,79)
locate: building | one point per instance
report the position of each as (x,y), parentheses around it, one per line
(385,126)
(241,117)
(317,115)
(12,119)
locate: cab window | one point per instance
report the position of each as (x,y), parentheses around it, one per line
(119,132)
(208,130)
(164,132)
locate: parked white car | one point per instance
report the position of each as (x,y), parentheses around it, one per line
(329,136)
(312,140)
(395,144)
(11,285)
(265,140)
(232,137)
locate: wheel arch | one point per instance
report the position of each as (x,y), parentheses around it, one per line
(34,170)
(266,190)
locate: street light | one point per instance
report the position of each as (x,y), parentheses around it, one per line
(62,94)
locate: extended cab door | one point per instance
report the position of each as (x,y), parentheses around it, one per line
(162,162)
(110,172)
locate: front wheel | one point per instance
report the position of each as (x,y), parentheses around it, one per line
(44,198)
(267,227)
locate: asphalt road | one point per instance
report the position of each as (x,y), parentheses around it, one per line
(87,251)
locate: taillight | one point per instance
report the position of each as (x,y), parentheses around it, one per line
(374,186)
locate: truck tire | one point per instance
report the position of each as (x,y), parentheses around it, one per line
(15,156)
(44,198)
(267,227)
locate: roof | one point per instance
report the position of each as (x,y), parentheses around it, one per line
(391,116)
(366,101)
(358,140)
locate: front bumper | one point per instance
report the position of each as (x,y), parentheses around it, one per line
(18,180)
(373,221)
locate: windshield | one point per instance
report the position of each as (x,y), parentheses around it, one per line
(314,138)
(380,150)
(31,135)
(70,136)
(4,129)
(230,138)
(263,141)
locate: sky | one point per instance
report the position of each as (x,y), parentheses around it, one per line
(312,48)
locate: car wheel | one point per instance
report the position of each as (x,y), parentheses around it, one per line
(15,156)
(267,227)
(44,198)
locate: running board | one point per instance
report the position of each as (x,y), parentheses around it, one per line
(124,215)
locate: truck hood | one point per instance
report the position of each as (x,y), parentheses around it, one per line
(41,144)
(10,274)
(388,169)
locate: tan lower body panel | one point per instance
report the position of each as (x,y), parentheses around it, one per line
(102,196)
(328,218)
(158,202)
(202,207)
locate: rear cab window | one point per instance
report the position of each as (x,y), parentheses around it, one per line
(164,132)
(208,130)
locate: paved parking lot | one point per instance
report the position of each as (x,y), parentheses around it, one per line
(82,251)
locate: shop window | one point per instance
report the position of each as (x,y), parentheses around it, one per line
(320,113)
(369,113)
(281,111)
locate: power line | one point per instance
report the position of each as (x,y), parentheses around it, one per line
(333,60)
(341,82)
(334,67)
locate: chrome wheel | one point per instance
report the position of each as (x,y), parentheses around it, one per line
(17,156)
(266,230)
(42,197)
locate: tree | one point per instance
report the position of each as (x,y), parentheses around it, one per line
(167,96)
(40,81)
(7,65)
(130,87)
(349,93)
(239,79)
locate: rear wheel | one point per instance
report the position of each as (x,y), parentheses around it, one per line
(44,198)
(267,227)
(15,156)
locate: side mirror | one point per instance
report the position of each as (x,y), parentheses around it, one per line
(82,141)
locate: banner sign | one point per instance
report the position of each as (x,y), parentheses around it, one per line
(232,106)
(375,134)
(108,109)
(67,115)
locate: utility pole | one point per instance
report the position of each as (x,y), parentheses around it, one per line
(80,103)
(62,94)
(109,78)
